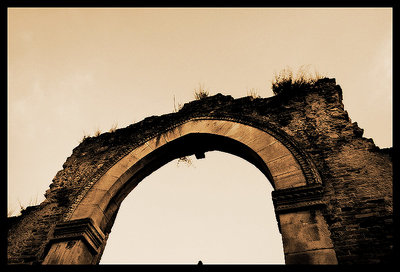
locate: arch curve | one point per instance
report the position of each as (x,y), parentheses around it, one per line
(286,166)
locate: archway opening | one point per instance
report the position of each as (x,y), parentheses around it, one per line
(297,192)
(218,210)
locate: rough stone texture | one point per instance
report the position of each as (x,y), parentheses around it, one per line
(356,174)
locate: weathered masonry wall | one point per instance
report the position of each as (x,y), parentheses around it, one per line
(356,175)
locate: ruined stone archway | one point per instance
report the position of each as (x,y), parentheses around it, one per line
(327,204)
(99,203)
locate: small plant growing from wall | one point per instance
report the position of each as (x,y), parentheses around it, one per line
(253,93)
(97,133)
(177,107)
(201,92)
(286,82)
(84,137)
(113,128)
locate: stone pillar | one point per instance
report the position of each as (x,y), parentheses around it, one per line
(75,242)
(305,234)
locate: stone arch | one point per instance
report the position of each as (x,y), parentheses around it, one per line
(82,235)
(355,198)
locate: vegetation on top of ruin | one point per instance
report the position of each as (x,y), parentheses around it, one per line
(97,132)
(287,82)
(177,107)
(253,93)
(113,128)
(85,136)
(201,92)
(284,82)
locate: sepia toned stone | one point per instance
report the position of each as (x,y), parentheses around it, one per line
(332,187)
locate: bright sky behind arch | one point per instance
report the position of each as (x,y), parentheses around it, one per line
(74,71)
(185,213)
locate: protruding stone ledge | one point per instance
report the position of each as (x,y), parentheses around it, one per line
(293,199)
(80,229)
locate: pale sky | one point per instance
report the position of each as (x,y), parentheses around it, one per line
(74,71)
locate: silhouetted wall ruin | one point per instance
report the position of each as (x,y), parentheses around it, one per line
(325,175)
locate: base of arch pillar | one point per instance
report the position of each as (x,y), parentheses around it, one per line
(320,256)
(75,242)
(69,252)
(306,238)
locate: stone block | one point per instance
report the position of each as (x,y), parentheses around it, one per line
(157,141)
(118,169)
(92,211)
(283,165)
(95,196)
(109,183)
(259,140)
(273,151)
(189,127)
(289,180)
(304,231)
(141,151)
(242,133)
(172,134)
(321,256)
(219,127)
(69,252)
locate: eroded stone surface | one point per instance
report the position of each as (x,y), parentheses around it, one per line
(304,231)
(356,175)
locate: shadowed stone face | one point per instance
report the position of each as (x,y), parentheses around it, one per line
(332,187)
